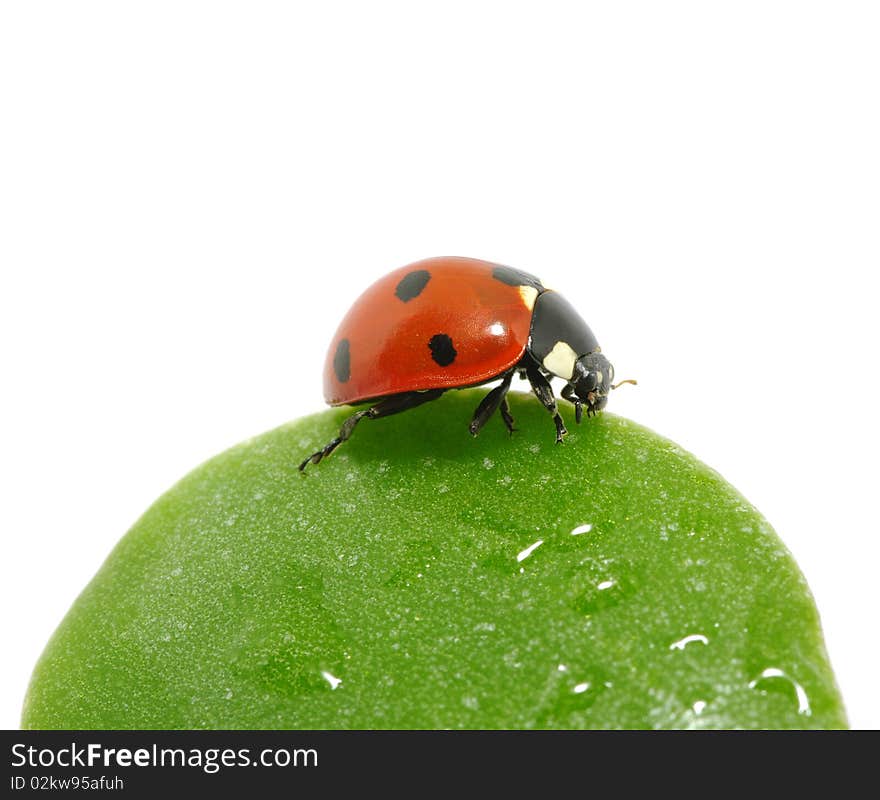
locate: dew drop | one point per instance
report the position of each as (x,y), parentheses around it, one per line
(595,599)
(331,679)
(690,638)
(773,678)
(522,555)
(569,694)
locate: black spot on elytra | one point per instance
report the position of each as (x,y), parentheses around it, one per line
(342,361)
(412,284)
(516,277)
(442,350)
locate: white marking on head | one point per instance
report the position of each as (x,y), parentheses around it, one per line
(561,360)
(528,294)
(599,377)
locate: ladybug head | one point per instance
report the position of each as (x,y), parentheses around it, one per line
(592,380)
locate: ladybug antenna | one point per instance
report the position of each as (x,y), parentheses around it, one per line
(633,381)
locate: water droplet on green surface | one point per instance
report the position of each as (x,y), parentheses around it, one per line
(689,639)
(774,679)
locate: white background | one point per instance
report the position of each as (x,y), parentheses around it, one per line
(191,195)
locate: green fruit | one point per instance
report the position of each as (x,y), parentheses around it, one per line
(419,578)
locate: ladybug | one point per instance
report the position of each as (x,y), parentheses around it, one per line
(450,323)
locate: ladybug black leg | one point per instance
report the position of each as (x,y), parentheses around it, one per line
(568,394)
(385,408)
(544,392)
(506,415)
(489,405)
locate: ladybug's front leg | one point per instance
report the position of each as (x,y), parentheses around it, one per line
(568,394)
(384,408)
(544,392)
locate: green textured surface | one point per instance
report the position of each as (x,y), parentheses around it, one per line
(393,586)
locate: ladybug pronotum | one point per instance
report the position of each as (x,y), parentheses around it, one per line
(450,323)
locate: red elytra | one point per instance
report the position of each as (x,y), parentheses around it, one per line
(383,345)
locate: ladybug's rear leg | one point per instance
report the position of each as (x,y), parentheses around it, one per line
(384,408)
(544,392)
(489,405)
